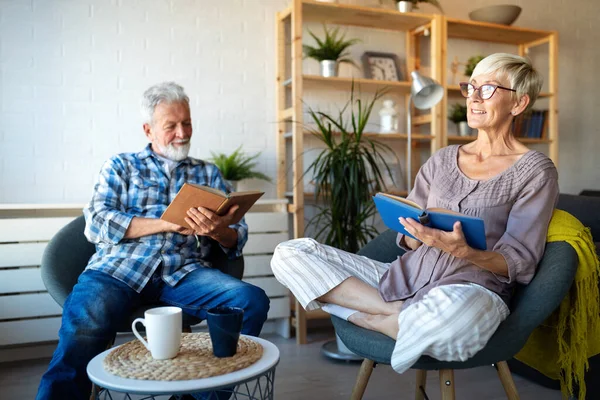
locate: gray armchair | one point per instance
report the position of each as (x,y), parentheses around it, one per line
(67,255)
(531,305)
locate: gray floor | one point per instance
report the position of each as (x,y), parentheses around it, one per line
(303,373)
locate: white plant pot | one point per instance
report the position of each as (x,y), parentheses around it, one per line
(234,184)
(464,129)
(329,68)
(405,6)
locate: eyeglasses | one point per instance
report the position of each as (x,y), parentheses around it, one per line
(485,91)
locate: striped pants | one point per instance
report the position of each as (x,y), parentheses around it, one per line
(450,323)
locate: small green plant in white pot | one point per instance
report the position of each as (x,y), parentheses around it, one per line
(458,115)
(238,166)
(410,5)
(331,51)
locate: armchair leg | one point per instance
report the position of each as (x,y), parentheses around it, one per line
(421,382)
(507,381)
(362,380)
(447,384)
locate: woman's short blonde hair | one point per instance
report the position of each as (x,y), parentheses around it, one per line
(518,70)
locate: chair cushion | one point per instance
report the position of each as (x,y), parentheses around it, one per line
(65,258)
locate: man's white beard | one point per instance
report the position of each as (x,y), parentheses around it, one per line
(175,153)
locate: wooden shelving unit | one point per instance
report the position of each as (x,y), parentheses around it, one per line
(524,40)
(291,83)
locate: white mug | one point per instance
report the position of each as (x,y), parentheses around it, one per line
(163,329)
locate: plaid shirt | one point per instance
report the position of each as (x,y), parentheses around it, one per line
(136,185)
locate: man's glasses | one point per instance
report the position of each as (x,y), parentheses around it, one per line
(485,91)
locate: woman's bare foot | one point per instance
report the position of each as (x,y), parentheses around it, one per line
(386,324)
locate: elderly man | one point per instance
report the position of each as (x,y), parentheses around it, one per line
(141,258)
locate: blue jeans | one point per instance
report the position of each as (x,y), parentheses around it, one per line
(100,303)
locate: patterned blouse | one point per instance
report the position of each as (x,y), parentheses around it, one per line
(516,206)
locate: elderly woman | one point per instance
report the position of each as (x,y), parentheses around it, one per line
(442,297)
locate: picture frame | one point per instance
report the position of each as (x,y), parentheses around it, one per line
(381,66)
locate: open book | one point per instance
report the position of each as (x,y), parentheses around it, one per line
(216,200)
(392,207)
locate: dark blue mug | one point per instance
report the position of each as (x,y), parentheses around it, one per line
(224,327)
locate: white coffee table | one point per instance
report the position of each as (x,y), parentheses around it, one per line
(254,382)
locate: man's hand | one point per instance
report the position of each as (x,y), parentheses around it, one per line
(451,242)
(206,223)
(182,230)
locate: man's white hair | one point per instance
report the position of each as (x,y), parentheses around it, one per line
(166,92)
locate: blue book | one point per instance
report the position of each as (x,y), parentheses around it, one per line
(392,207)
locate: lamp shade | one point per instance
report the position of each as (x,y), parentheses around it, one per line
(425,92)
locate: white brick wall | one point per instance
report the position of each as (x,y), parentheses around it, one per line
(72,72)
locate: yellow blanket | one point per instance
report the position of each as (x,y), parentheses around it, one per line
(572,333)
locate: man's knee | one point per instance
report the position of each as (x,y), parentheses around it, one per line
(255,301)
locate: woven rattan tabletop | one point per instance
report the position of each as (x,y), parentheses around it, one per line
(268,359)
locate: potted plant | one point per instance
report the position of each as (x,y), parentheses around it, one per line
(409,5)
(331,51)
(458,115)
(471,64)
(346,173)
(237,166)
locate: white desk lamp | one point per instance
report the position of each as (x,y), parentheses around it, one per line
(424,94)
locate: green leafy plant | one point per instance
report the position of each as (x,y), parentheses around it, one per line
(471,64)
(238,165)
(334,47)
(346,173)
(434,3)
(458,113)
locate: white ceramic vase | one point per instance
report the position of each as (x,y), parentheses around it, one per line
(388,117)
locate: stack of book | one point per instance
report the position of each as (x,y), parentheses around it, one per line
(532,125)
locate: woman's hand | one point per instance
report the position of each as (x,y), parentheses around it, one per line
(411,243)
(451,242)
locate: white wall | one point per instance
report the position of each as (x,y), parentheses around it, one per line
(72,73)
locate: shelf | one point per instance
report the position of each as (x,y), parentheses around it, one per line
(311,195)
(380,136)
(522,140)
(483,31)
(360,83)
(456,88)
(369,17)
